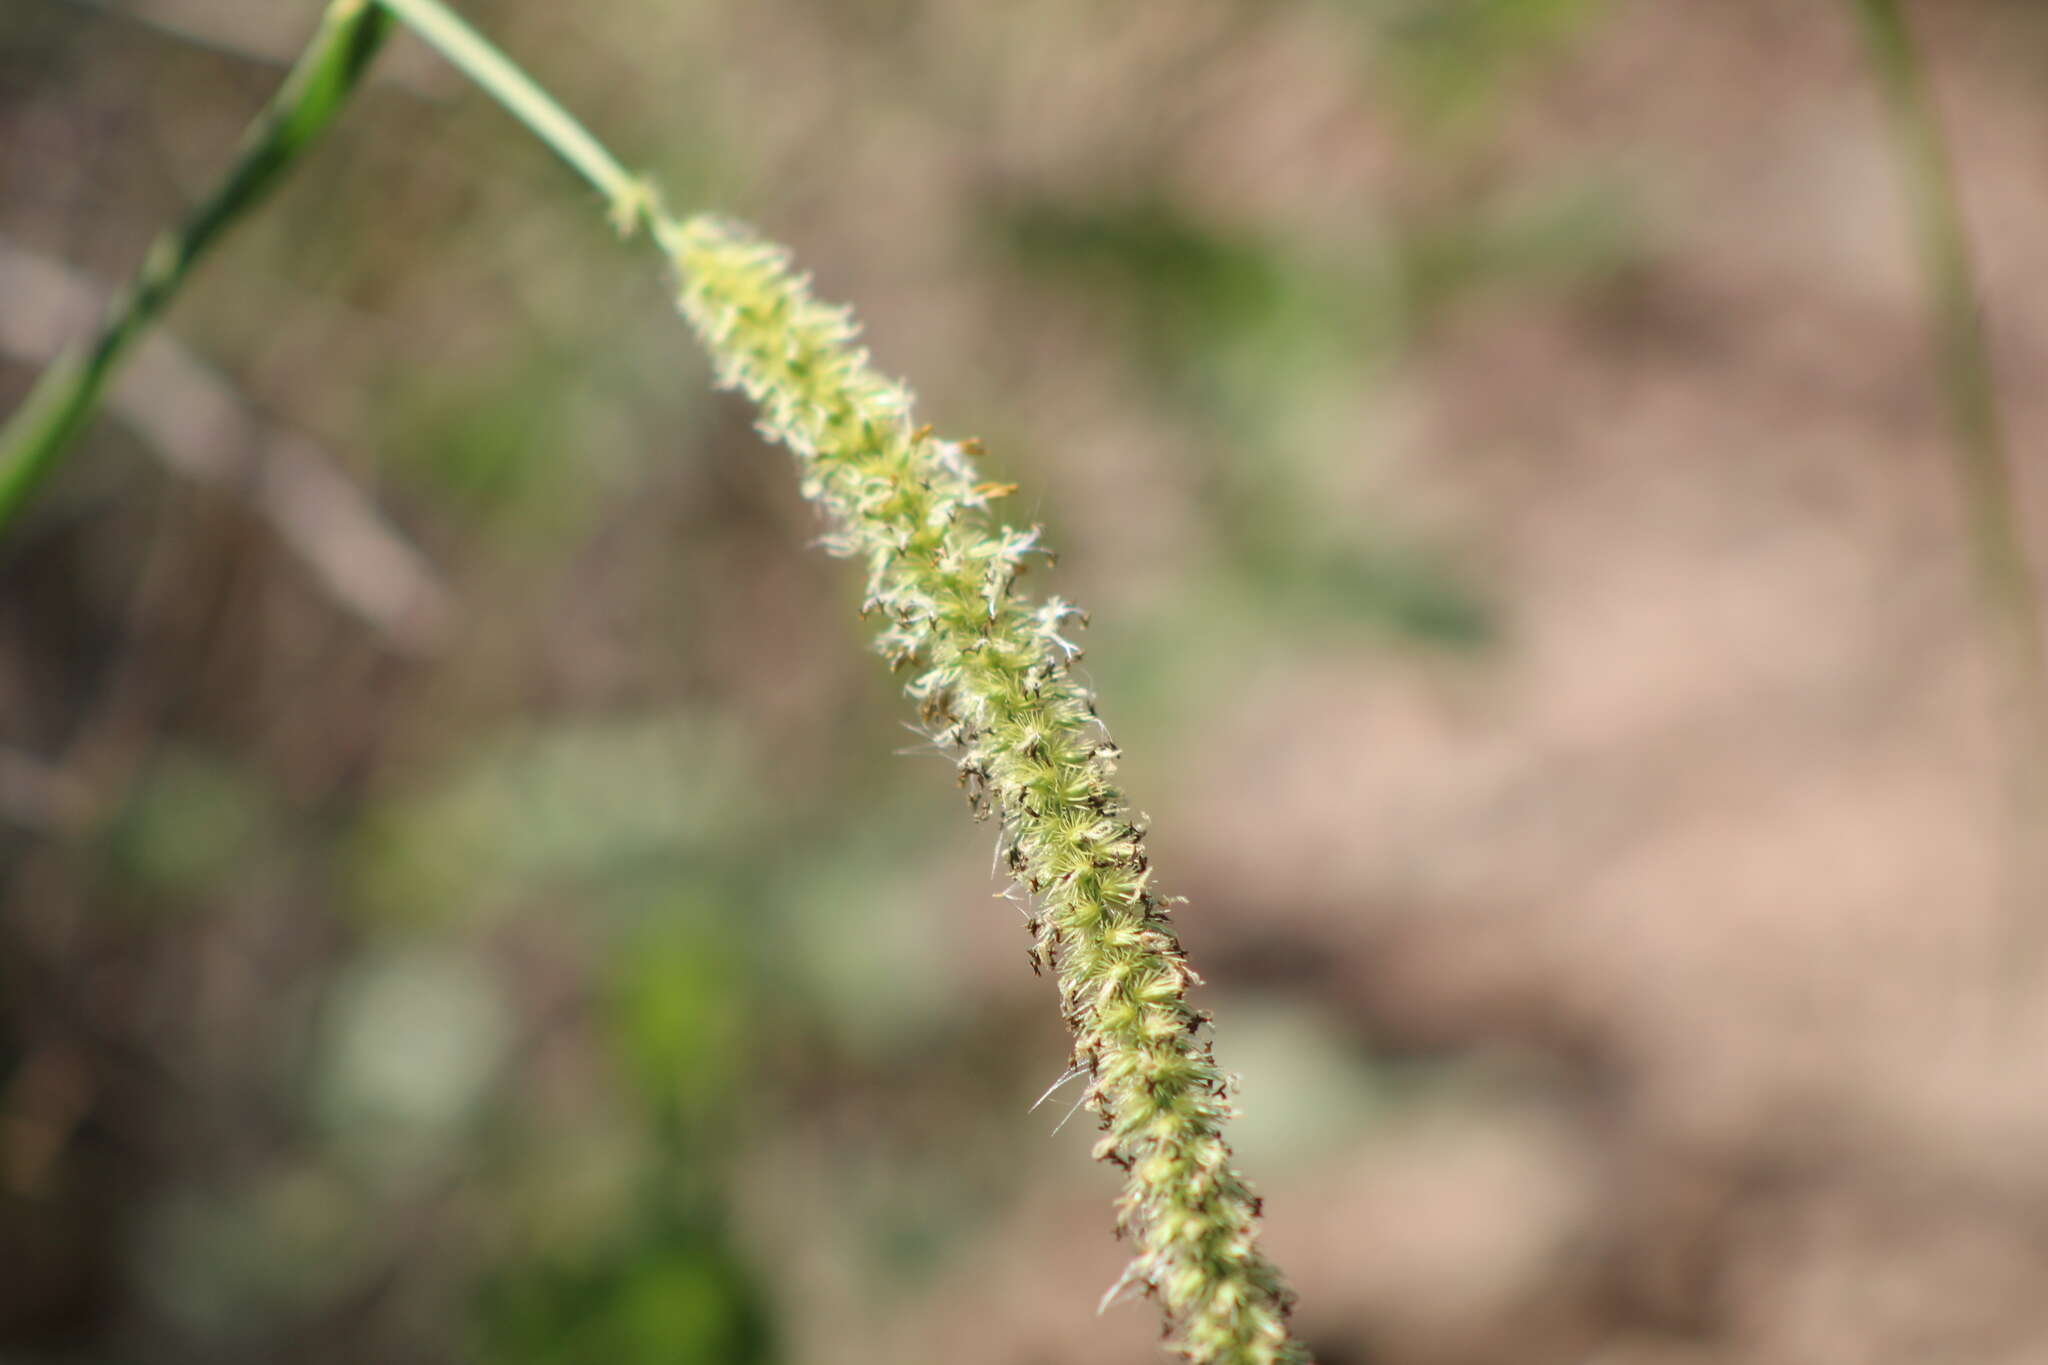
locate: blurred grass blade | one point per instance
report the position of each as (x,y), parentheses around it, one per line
(36,437)
(1968,385)
(2009,598)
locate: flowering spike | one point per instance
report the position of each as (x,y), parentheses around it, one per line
(992,674)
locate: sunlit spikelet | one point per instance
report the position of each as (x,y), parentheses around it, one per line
(991,673)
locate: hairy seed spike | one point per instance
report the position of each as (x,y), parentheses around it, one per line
(914,510)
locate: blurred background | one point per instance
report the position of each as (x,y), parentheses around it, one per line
(460,897)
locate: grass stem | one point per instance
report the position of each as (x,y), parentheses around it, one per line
(39,432)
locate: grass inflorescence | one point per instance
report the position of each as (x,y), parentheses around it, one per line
(992,674)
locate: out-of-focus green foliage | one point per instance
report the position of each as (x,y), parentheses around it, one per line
(1449,58)
(190,822)
(665,1290)
(608,805)
(1243,336)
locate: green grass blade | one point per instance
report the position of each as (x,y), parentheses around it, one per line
(35,438)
